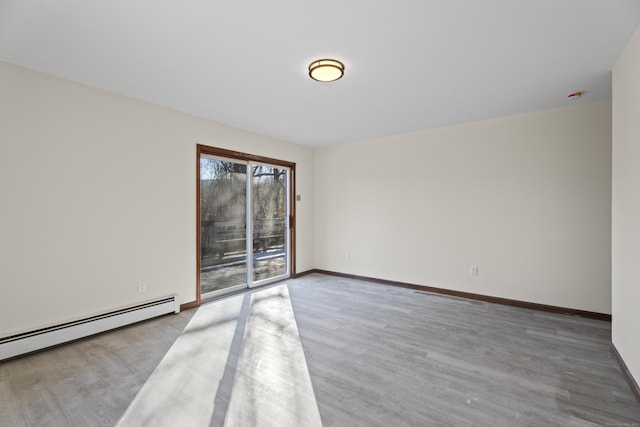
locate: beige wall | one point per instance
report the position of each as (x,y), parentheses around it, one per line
(98,192)
(527,199)
(626,205)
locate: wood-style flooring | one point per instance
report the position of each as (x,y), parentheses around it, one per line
(323,350)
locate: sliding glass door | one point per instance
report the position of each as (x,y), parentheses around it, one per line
(269,214)
(243,223)
(223,212)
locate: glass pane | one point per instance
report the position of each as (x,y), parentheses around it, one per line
(223,207)
(269,206)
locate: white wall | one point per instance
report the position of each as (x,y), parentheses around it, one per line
(626,205)
(527,199)
(98,192)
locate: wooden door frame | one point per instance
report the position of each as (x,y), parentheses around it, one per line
(237,155)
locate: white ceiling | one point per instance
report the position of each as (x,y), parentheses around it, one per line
(410,64)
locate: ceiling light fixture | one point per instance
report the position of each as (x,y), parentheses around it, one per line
(326,70)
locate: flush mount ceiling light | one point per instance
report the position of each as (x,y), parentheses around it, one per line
(326,70)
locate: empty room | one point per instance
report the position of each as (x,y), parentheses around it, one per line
(285,213)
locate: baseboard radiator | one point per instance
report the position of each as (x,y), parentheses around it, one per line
(28,342)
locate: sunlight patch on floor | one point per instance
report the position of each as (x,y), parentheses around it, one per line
(239,362)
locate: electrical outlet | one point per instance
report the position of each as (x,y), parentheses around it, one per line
(142,287)
(474,270)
